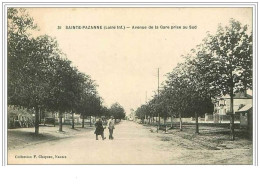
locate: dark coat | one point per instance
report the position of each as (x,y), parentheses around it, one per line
(99,128)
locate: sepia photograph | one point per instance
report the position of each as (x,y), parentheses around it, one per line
(130,85)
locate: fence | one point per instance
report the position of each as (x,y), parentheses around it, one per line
(209,118)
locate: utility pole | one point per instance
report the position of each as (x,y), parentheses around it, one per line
(145,117)
(158,100)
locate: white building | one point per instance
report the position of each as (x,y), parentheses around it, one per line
(222,104)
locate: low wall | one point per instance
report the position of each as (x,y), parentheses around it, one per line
(217,119)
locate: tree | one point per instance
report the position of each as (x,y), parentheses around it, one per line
(117,111)
(18,43)
(29,63)
(141,112)
(67,88)
(77,79)
(19,24)
(178,91)
(105,111)
(198,90)
(230,69)
(89,99)
(40,76)
(94,106)
(164,105)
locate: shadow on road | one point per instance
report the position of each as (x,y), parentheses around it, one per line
(19,138)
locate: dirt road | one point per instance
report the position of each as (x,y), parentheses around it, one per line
(133,144)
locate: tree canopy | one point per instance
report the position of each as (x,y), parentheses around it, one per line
(41,76)
(117,111)
(220,65)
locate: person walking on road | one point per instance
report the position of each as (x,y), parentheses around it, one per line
(99,129)
(111,127)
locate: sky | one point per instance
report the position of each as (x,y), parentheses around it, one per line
(124,63)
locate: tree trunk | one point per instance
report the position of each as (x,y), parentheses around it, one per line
(197,123)
(158,123)
(36,120)
(53,116)
(232,128)
(180,121)
(164,122)
(171,121)
(60,121)
(83,121)
(40,115)
(159,120)
(73,123)
(90,124)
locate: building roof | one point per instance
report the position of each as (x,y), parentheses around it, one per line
(245,108)
(239,95)
(242,95)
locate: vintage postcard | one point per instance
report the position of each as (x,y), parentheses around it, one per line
(130,85)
